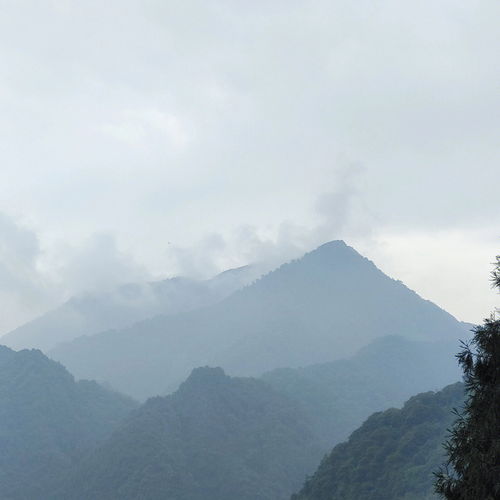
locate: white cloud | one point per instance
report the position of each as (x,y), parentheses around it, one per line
(145,127)
(24,291)
(33,279)
(164,122)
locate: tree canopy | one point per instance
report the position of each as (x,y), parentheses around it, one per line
(473,467)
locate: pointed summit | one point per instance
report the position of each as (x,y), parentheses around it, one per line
(334,253)
(203,378)
(330,247)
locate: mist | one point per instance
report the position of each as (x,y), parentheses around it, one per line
(197,143)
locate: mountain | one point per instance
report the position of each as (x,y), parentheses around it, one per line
(392,455)
(91,313)
(47,421)
(339,396)
(322,307)
(216,438)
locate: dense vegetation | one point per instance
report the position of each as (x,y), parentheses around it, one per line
(340,395)
(322,307)
(216,438)
(392,456)
(47,421)
(473,468)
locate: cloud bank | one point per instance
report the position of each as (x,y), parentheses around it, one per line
(198,135)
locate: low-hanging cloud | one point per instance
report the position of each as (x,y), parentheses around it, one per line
(24,290)
(339,213)
(97,265)
(216,131)
(33,280)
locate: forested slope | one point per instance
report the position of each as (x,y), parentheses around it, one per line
(47,422)
(392,456)
(216,438)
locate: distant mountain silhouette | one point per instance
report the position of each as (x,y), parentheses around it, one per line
(341,394)
(216,438)
(91,313)
(392,456)
(47,422)
(322,307)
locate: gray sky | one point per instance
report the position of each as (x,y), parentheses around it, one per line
(141,139)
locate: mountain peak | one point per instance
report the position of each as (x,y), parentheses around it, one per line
(334,248)
(5,353)
(205,376)
(333,244)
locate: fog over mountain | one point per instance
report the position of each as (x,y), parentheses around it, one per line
(322,307)
(91,313)
(168,126)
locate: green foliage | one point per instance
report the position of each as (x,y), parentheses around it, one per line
(216,438)
(47,421)
(495,275)
(473,468)
(391,456)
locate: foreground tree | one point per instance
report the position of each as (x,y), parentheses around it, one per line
(473,468)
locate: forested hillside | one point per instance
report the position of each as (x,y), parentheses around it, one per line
(216,438)
(392,456)
(322,307)
(47,422)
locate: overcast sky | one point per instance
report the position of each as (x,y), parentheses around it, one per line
(141,139)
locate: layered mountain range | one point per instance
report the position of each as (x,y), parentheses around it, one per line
(338,396)
(322,307)
(312,349)
(217,437)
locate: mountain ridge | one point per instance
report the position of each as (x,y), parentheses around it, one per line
(341,394)
(92,313)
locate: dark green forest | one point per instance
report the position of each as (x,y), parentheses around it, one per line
(392,456)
